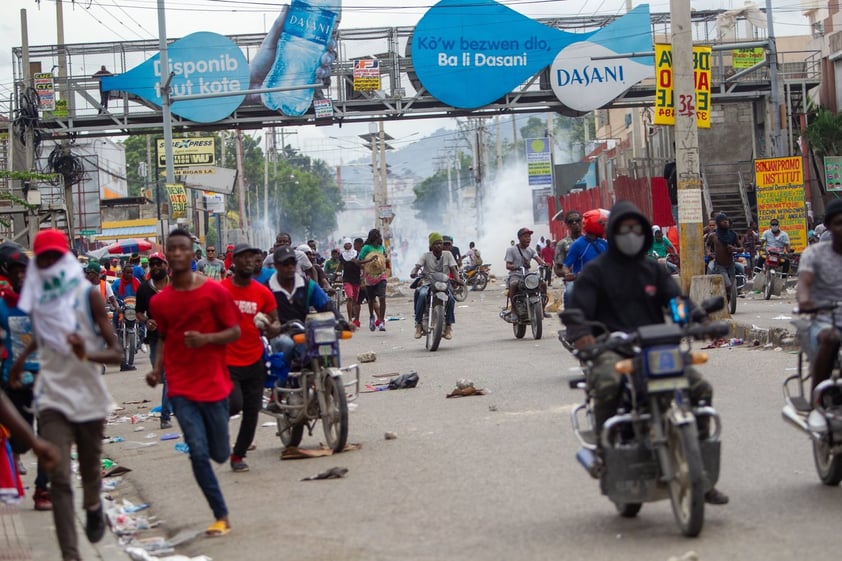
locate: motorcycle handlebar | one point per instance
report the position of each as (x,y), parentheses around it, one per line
(709,331)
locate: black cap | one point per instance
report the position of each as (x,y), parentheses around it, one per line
(283,253)
(245,247)
(831,210)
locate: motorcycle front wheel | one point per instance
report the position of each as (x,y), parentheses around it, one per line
(732,296)
(770,286)
(828,466)
(481,282)
(537,320)
(290,433)
(436,327)
(628,510)
(335,416)
(686,488)
(460,293)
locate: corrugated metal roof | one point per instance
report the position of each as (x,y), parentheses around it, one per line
(127,232)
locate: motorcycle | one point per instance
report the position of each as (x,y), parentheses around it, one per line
(738,280)
(435,307)
(651,449)
(477,278)
(770,279)
(313,387)
(127,329)
(821,420)
(527,306)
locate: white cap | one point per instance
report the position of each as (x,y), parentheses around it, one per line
(656,228)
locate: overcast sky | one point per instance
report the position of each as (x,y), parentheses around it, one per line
(115,20)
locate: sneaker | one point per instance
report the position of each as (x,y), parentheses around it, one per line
(716,497)
(42,500)
(419,330)
(448,332)
(95,524)
(21,467)
(381,326)
(127,368)
(372,324)
(356,323)
(238,464)
(166,425)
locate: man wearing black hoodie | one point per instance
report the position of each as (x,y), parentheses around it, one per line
(624,290)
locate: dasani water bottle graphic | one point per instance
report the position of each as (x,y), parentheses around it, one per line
(308,27)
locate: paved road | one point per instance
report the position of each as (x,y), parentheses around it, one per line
(483,478)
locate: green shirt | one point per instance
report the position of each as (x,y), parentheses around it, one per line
(661,249)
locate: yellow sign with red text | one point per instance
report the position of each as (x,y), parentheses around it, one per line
(780,195)
(666,105)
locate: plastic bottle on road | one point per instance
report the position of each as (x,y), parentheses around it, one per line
(182,447)
(307,29)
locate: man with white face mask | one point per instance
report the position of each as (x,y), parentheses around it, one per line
(775,238)
(624,289)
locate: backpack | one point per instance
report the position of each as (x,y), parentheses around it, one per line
(376,266)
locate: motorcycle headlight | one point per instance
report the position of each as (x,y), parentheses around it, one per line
(130,314)
(440,286)
(322,335)
(531,281)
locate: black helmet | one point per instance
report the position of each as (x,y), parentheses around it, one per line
(10,254)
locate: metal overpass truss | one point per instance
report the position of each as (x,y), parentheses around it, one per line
(401,96)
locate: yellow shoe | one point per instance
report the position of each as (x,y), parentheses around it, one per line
(448,332)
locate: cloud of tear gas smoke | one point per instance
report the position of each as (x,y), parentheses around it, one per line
(507,208)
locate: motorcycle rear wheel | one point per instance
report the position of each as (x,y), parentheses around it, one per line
(628,510)
(434,332)
(828,466)
(770,286)
(335,419)
(537,320)
(686,489)
(460,293)
(482,281)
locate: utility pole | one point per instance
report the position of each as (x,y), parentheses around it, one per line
(241,186)
(690,215)
(777,148)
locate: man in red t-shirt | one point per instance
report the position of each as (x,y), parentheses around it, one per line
(196,320)
(245,355)
(547,254)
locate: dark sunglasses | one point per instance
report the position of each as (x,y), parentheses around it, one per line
(575,221)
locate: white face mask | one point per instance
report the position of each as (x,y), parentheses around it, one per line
(629,244)
(776,229)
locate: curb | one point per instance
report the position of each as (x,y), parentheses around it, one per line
(777,336)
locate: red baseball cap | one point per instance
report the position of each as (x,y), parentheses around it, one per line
(523,231)
(157,255)
(50,240)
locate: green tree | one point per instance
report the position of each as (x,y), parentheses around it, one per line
(824,133)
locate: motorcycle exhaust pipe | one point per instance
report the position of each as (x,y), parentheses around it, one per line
(589,461)
(791,416)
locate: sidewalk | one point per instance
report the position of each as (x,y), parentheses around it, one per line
(765,321)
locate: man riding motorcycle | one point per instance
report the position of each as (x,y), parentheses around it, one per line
(517,256)
(820,278)
(775,238)
(623,289)
(437,260)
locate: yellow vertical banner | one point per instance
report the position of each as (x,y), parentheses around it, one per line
(665,102)
(780,195)
(178,200)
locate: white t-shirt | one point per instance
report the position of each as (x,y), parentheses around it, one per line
(429,263)
(781,241)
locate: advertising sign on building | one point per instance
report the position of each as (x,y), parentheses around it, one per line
(189,152)
(780,194)
(490,49)
(746,58)
(833,173)
(539,166)
(666,104)
(46,89)
(178,200)
(323,108)
(366,75)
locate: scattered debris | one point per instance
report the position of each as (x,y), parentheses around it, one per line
(404,381)
(295,453)
(465,388)
(369,356)
(390,435)
(689,556)
(332,473)
(492,407)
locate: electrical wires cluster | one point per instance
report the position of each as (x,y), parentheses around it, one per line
(26,117)
(66,165)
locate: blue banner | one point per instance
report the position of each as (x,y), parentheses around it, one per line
(203,63)
(470,53)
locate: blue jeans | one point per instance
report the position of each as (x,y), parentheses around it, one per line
(166,407)
(205,428)
(421,304)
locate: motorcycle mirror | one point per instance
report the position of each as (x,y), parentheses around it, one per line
(713,304)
